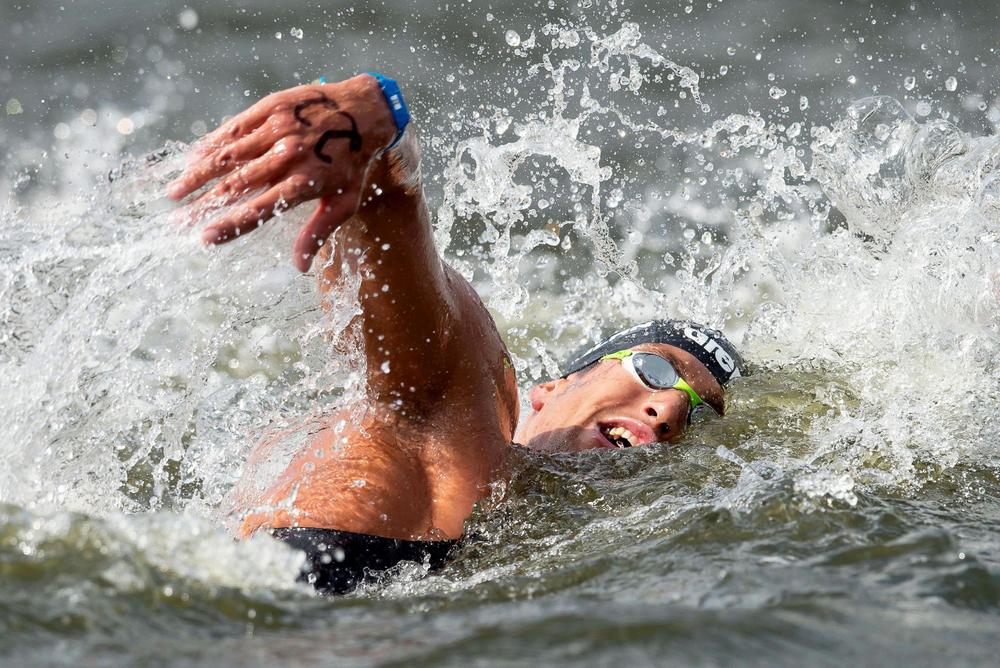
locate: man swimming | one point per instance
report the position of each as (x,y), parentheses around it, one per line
(395,479)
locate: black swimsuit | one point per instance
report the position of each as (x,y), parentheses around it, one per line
(338,561)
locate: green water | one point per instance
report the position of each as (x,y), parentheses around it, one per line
(657,555)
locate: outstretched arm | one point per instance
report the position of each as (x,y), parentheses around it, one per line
(424,326)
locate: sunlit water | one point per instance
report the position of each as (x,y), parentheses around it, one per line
(845,509)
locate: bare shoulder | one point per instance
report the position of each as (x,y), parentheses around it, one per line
(364,476)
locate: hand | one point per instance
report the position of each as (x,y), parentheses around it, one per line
(304,143)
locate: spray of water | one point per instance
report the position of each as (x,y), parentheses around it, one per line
(897,308)
(138,370)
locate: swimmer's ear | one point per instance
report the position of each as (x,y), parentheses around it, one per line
(539,394)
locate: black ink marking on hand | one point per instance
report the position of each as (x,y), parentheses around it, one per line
(302,106)
(352,134)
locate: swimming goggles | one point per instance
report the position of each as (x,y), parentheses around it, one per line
(655,372)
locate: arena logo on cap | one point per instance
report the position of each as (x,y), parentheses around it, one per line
(712,346)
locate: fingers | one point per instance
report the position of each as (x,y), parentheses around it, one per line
(215,165)
(329,215)
(265,170)
(287,194)
(249,120)
(241,124)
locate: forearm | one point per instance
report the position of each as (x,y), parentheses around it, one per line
(412,305)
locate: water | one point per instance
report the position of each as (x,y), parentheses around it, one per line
(587,168)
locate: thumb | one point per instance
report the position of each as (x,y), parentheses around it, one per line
(328,216)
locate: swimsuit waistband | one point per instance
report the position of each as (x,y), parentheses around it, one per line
(338,561)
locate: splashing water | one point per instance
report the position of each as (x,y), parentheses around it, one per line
(137,370)
(908,313)
(899,305)
(139,366)
(136,362)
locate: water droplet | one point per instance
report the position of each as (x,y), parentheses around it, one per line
(513,39)
(777,93)
(951,83)
(923,108)
(188,19)
(277,35)
(385,366)
(569,38)
(688,9)
(909,83)
(852,79)
(731,50)
(615,197)
(723,70)
(803,103)
(13,107)
(296,33)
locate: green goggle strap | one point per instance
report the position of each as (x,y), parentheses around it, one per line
(681,384)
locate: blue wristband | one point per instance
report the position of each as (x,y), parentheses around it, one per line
(397,105)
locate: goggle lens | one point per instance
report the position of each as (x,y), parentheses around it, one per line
(654,371)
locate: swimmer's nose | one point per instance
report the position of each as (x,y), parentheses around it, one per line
(664,412)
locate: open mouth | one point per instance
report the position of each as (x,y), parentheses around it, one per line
(619,436)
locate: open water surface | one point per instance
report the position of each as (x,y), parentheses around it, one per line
(818,179)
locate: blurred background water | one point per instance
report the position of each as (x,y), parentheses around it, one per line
(173,69)
(589,164)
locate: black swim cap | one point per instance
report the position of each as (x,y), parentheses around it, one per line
(708,345)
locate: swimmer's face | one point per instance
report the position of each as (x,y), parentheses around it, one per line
(604,406)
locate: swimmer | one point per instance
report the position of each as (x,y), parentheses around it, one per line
(395,480)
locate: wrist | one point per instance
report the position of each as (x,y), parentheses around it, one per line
(393,96)
(397,174)
(396,169)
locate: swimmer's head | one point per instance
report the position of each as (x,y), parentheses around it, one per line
(635,387)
